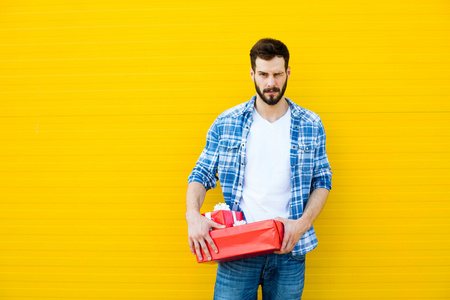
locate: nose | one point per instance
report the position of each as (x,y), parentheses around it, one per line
(271,82)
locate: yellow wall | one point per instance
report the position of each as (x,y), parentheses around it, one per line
(104,108)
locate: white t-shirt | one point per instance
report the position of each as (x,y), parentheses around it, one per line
(267,174)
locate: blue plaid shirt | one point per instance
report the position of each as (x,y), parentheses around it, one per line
(224,155)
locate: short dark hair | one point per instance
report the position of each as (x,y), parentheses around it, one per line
(267,49)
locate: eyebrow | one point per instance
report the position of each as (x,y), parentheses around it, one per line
(278,73)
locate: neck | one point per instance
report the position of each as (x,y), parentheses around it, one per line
(271,113)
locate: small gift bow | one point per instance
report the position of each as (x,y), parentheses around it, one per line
(221,206)
(237,223)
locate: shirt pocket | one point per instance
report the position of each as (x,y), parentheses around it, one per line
(229,151)
(306,157)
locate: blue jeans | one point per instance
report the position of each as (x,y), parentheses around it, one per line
(281,276)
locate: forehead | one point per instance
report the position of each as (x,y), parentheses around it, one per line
(276,64)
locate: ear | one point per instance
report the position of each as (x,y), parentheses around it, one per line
(252,74)
(288,72)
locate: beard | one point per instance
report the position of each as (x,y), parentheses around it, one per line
(272,99)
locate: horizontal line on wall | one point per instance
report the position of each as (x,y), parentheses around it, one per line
(154,73)
(153,25)
(127,10)
(194,151)
(183,211)
(316,281)
(119,169)
(182,114)
(227,72)
(317,12)
(127,57)
(122,90)
(323,234)
(215,89)
(146,201)
(228,40)
(212,56)
(225,24)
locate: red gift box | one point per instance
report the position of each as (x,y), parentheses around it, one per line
(244,241)
(225,217)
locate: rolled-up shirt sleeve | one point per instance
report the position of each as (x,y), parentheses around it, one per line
(205,170)
(322,170)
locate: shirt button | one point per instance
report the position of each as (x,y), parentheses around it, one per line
(240,184)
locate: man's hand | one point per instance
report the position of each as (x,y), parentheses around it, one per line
(198,233)
(293,231)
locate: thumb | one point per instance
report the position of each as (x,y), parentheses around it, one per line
(280,219)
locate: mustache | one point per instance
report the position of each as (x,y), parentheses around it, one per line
(274,89)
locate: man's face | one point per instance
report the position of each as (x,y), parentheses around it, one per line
(270,79)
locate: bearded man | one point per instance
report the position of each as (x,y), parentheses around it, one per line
(269,154)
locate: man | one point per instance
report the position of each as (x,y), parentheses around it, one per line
(271,161)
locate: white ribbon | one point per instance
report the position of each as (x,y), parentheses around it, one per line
(234,216)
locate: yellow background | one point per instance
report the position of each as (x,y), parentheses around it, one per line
(104,108)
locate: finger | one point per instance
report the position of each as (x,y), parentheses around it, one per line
(191,246)
(290,246)
(281,252)
(212,244)
(205,249)
(216,225)
(198,251)
(284,243)
(283,247)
